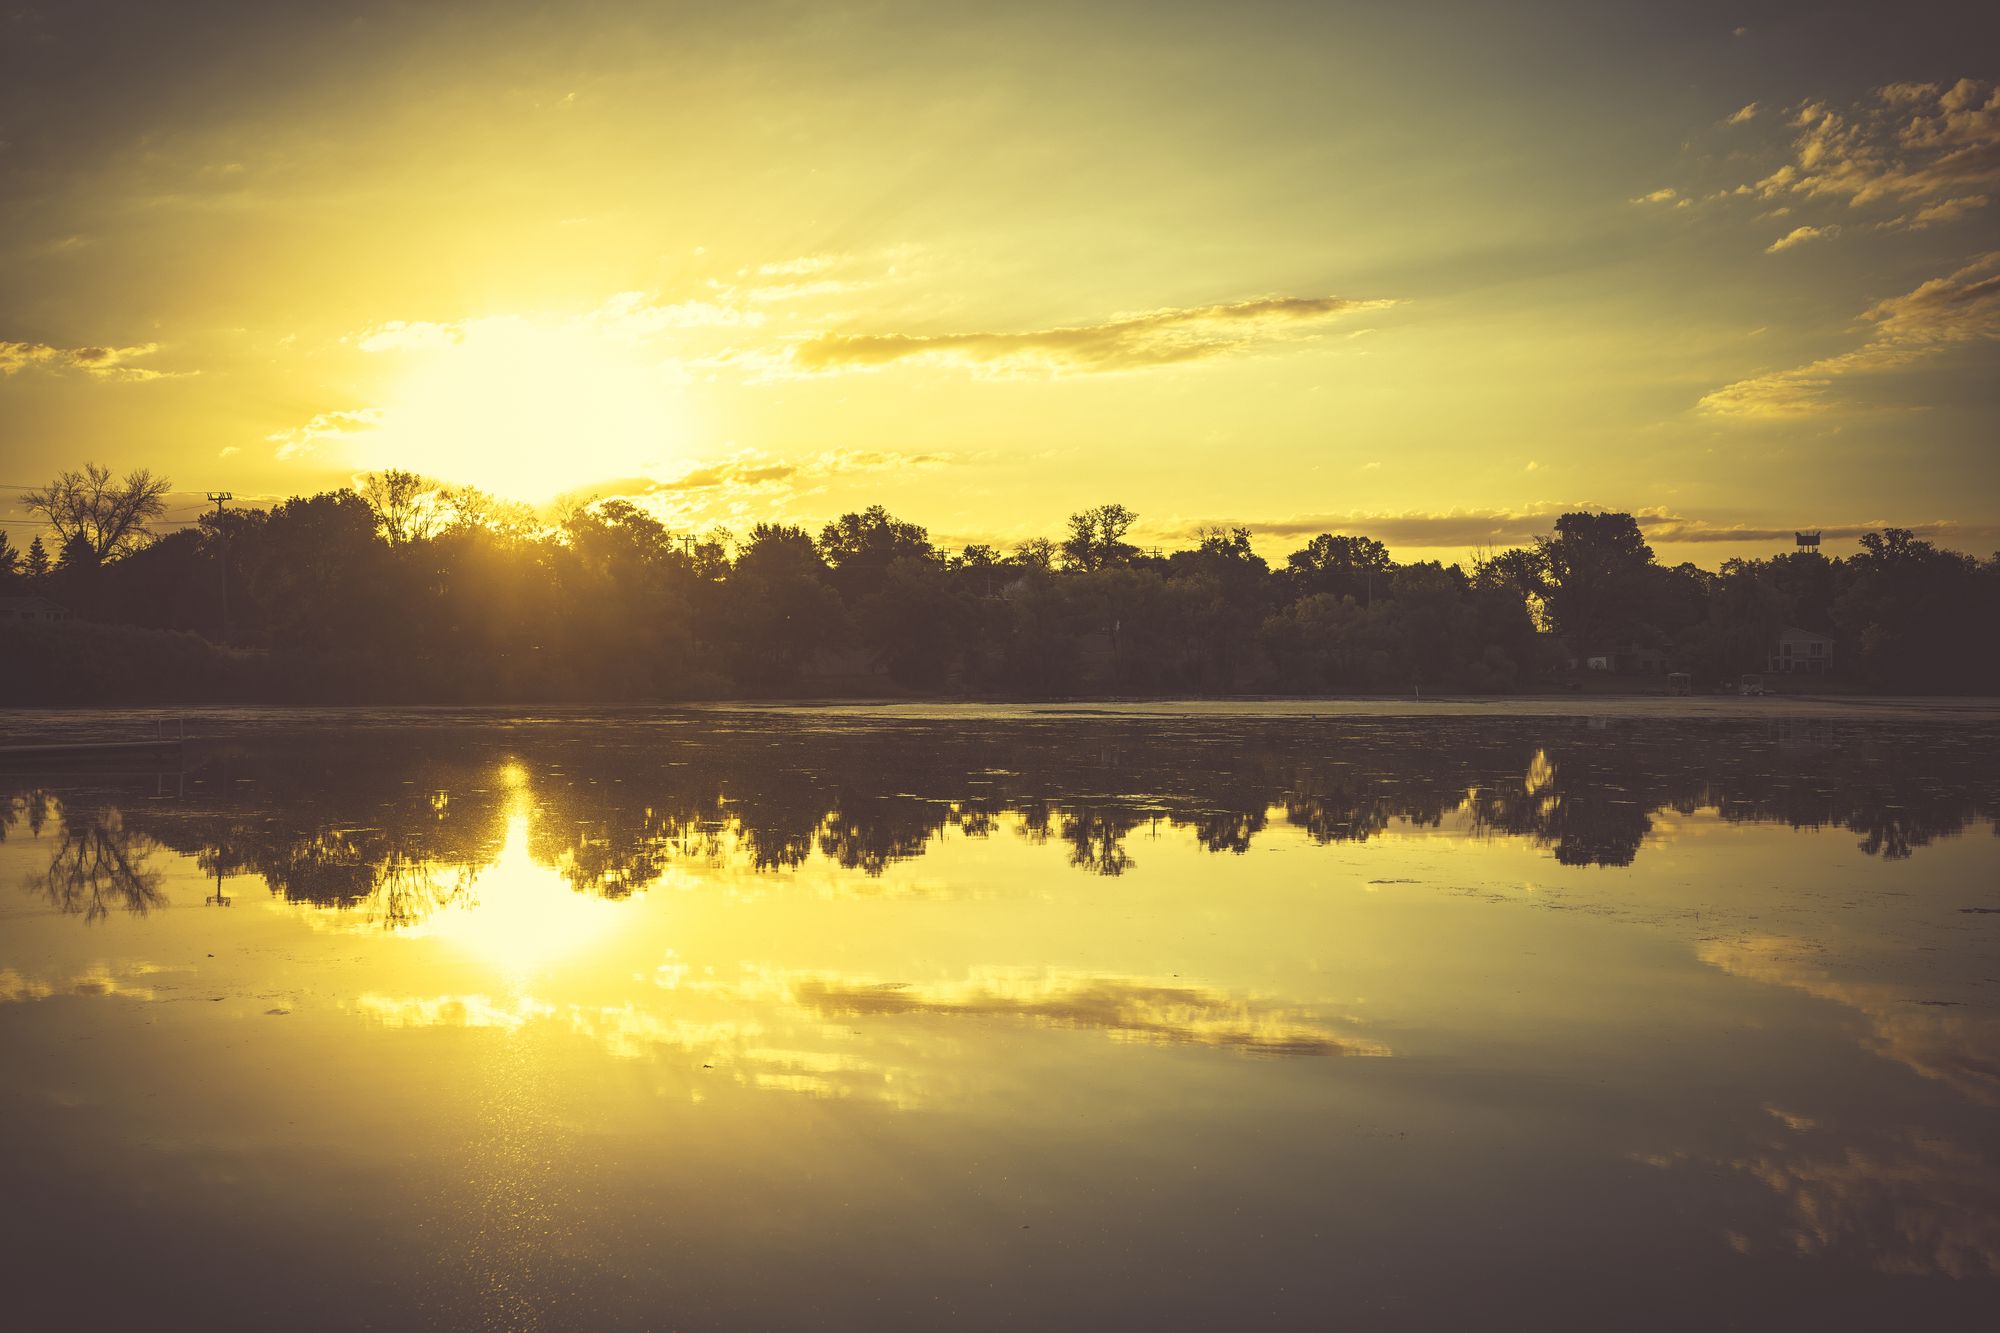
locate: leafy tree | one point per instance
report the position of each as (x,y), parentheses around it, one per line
(1905,612)
(1097,537)
(1594,571)
(1223,591)
(1746,609)
(1356,567)
(778,606)
(859,548)
(108,517)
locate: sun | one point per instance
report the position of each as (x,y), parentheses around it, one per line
(529,409)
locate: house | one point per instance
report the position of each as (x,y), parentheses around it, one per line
(1634,659)
(1800,652)
(31,608)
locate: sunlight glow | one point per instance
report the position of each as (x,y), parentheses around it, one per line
(522,916)
(527,408)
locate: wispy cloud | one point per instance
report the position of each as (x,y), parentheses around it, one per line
(98,362)
(324,426)
(1800,235)
(1666,194)
(1908,141)
(1917,326)
(1933,215)
(401,335)
(1454,527)
(1924,146)
(1123,342)
(1473,528)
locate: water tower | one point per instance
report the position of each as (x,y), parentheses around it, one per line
(1807,541)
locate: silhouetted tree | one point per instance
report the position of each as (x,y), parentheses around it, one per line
(108,517)
(407,508)
(1594,571)
(859,547)
(779,606)
(1036,553)
(1097,537)
(1356,567)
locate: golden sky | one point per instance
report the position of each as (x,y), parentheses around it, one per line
(1433,273)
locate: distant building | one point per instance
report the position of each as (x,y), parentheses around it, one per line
(1634,659)
(1800,652)
(31,608)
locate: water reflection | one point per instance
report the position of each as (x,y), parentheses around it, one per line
(1124,1008)
(398,826)
(97,863)
(618,1012)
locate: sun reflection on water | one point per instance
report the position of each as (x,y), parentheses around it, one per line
(518,914)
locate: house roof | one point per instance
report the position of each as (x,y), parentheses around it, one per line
(1794,632)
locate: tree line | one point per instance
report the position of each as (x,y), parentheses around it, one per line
(404,589)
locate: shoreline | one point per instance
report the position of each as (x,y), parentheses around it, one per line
(30,725)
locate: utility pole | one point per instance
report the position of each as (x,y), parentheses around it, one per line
(222,535)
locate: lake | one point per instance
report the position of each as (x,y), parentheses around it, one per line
(1005,1018)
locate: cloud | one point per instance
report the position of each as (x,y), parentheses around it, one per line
(1800,235)
(302,440)
(1456,527)
(628,316)
(1961,309)
(99,362)
(1473,528)
(749,486)
(1911,141)
(803,266)
(1935,215)
(1948,210)
(752,469)
(1125,342)
(1926,145)
(401,335)
(736,474)
(1661,526)
(1126,1008)
(637,315)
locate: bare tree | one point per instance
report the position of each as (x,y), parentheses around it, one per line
(1037,552)
(110,517)
(408,508)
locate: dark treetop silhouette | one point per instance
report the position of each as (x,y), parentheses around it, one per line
(407,590)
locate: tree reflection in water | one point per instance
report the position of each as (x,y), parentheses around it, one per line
(397,820)
(97,864)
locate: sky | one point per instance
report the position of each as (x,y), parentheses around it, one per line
(1434,273)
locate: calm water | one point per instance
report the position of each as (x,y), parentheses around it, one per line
(1029,1020)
